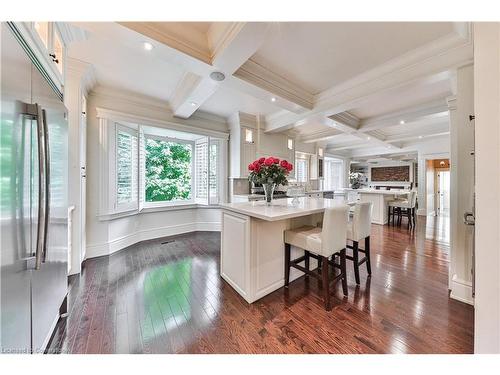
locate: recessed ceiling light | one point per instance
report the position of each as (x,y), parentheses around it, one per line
(402,122)
(420,136)
(147,46)
(193,104)
(368,138)
(388,146)
(273,99)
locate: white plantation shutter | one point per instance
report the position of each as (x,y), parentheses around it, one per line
(334,170)
(127,157)
(201,169)
(302,169)
(214,167)
(142,168)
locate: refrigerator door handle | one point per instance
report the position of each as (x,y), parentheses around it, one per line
(41,187)
(47,183)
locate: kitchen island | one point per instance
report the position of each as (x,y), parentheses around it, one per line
(380,199)
(252,242)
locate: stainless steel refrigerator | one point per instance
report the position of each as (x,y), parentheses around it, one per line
(33,198)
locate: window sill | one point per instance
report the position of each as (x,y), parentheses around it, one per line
(151,209)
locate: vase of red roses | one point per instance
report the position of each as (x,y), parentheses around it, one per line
(269,172)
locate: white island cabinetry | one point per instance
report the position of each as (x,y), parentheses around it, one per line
(380,200)
(252,246)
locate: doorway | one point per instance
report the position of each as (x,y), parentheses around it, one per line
(443,192)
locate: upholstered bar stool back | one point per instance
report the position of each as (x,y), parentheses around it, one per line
(360,226)
(334,232)
(359,229)
(320,244)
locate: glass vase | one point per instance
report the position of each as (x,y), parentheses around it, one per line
(269,192)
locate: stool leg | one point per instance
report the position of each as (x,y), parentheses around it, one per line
(344,271)
(307,261)
(409,218)
(326,283)
(320,263)
(287,264)
(367,255)
(355,258)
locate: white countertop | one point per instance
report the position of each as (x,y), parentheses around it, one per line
(283,208)
(382,192)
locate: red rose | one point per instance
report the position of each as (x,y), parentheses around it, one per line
(256,168)
(276,160)
(284,164)
(261,160)
(289,167)
(251,167)
(269,161)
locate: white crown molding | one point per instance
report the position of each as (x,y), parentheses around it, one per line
(220,35)
(71,33)
(319,135)
(432,109)
(247,119)
(200,120)
(84,71)
(401,63)
(444,54)
(347,119)
(132,119)
(175,35)
(262,77)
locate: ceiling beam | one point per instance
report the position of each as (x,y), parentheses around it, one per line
(225,48)
(320,136)
(431,110)
(430,62)
(232,45)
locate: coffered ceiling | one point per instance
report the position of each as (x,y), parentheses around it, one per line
(349,85)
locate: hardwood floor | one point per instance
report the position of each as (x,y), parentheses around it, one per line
(166,296)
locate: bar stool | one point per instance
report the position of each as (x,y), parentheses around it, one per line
(409,207)
(358,229)
(320,244)
(391,208)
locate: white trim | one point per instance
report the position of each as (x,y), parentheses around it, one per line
(149,121)
(451,51)
(117,244)
(461,290)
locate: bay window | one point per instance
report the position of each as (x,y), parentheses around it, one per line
(146,166)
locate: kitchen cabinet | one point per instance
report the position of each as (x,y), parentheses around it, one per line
(46,42)
(317,167)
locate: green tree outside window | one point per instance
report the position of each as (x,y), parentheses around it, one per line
(168,170)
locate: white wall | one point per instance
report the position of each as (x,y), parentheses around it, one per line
(107,236)
(487,139)
(461,185)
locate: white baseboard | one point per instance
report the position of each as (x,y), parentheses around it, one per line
(117,244)
(461,290)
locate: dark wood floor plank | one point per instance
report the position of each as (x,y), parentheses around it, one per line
(166,296)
